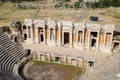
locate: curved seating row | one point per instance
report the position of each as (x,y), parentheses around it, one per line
(10,54)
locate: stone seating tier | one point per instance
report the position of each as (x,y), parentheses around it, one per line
(10,54)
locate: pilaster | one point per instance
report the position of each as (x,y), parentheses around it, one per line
(32,39)
(111,40)
(55,35)
(83,36)
(104,38)
(44,35)
(98,37)
(71,37)
(77,37)
(49,34)
(36,35)
(89,39)
(60,36)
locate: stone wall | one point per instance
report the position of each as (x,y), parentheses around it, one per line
(57,58)
(88,40)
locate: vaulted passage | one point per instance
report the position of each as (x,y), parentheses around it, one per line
(66,38)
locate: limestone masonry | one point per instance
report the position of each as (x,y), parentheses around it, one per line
(101,37)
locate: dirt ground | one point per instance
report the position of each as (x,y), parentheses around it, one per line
(51,71)
(9,13)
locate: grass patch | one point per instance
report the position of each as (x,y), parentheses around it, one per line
(69,72)
(114,13)
(51,63)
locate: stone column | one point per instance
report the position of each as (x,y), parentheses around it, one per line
(77,37)
(71,37)
(37,36)
(83,36)
(44,35)
(111,40)
(89,39)
(104,38)
(55,35)
(32,39)
(98,37)
(60,36)
(119,46)
(49,34)
(27,31)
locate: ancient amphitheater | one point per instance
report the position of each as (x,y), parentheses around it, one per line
(11,55)
(92,46)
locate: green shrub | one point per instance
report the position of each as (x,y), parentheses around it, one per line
(77,4)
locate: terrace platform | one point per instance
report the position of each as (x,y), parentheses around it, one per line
(86,54)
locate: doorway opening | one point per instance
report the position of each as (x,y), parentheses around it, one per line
(94,34)
(66,38)
(57,59)
(28,52)
(15,39)
(25,36)
(93,39)
(42,38)
(41,35)
(24,27)
(116,45)
(93,44)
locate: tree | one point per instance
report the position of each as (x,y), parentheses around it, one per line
(88,4)
(66,5)
(77,4)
